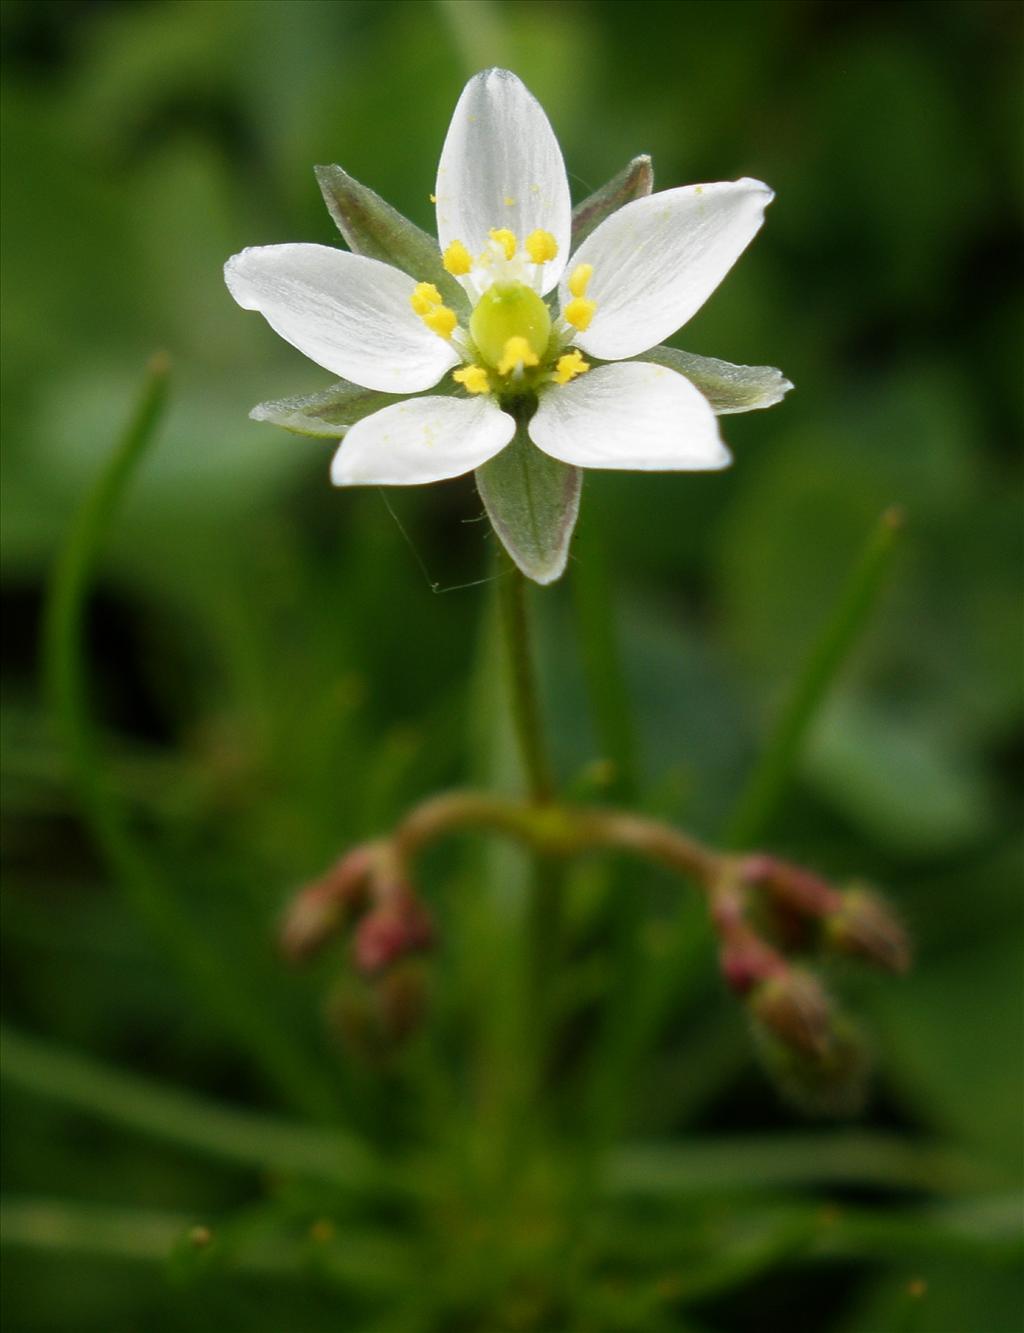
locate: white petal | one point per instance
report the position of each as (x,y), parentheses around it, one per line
(347,313)
(424,439)
(657,260)
(501,166)
(632,415)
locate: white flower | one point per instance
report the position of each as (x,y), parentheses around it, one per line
(504,223)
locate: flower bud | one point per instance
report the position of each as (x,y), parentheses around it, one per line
(324,907)
(373,1017)
(746,961)
(831,1081)
(396,928)
(865,927)
(794,1008)
(791,887)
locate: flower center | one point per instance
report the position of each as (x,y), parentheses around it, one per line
(510,326)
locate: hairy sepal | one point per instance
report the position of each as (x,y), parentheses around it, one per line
(373,228)
(633,182)
(727,388)
(533,502)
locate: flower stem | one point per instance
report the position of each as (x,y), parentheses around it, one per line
(523,685)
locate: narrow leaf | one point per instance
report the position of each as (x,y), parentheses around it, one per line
(327,414)
(373,228)
(533,502)
(173,1115)
(727,388)
(633,182)
(767,784)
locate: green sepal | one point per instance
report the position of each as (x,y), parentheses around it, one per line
(633,182)
(533,502)
(727,388)
(373,228)
(327,414)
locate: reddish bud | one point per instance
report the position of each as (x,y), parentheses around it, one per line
(864,926)
(391,931)
(746,961)
(791,886)
(324,907)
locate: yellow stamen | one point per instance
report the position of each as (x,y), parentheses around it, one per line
(541,246)
(579,312)
(518,352)
(457,260)
(506,239)
(432,198)
(426,301)
(580,279)
(424,298)
(569,366)
(473,379)
(441,320)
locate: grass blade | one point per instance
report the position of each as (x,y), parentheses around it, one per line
(174,1116)
(771,775)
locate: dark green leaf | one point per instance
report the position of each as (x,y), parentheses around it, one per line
(532,501)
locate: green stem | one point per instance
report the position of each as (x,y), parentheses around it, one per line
(602,662)
(771,775)
(525,695)
(150,895)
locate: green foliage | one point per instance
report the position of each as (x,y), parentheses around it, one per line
(272,676)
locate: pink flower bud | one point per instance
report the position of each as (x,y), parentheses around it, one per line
(746,961)
(791,886)
(391,931)
(324,907)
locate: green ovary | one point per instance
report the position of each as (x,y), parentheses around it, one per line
(505,311)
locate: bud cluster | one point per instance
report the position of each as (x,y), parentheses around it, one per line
(771,917)
(366,895)
(777,925)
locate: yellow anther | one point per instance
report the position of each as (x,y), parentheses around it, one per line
(579,280)
(474,379)
(518,352)
(579,312)
(541,246)
(426,301)
(432,198)
(424,298)
(506,239)
(441,320)
(457,260)
(569,366)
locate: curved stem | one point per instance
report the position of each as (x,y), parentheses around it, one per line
(558,831)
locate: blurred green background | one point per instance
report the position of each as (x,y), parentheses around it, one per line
(279,669)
